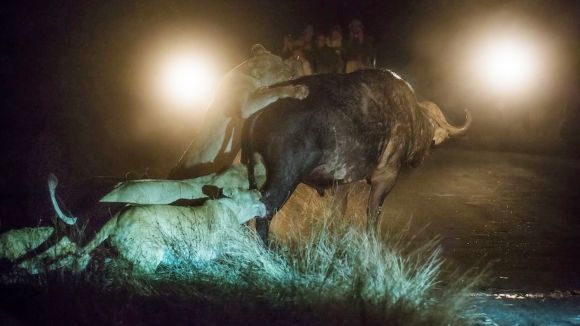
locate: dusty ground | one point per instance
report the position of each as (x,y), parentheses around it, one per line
(518,214)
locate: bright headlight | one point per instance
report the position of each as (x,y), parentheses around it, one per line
(507,64)
(186,80)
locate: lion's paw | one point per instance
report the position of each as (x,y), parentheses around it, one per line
(300,92)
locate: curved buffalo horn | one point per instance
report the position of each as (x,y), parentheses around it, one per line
(434,112)
(457,131)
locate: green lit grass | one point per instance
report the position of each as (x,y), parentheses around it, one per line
(326,270)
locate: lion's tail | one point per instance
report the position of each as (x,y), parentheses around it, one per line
(52,183)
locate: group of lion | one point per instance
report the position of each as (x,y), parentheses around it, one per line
(137,231)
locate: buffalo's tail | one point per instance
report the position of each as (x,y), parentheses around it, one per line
(248,151)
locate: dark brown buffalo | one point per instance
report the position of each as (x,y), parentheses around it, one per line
(362,125)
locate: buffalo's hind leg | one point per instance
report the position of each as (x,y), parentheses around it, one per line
(281,181)
(263,228)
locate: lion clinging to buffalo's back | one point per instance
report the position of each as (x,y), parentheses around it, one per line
(242,92)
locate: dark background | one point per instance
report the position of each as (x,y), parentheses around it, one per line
(68,67)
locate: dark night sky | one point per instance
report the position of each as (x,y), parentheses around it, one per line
(66,68)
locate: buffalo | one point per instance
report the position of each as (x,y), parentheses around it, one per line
(362,125)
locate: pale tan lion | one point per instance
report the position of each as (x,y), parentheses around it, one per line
(147,233)
(241,93)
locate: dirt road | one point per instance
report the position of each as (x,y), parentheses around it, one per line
(518,212)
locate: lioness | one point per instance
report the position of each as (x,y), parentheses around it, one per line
(241,93)
(146,233)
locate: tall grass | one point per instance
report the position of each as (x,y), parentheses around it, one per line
(330,271)
(324,270)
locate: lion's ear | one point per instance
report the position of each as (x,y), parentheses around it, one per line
(258,49)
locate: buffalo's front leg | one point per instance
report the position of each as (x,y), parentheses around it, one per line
(380,188)
(383,180)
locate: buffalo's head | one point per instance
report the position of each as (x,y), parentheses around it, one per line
(442,128)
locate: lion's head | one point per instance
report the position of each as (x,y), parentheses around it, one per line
(265,67)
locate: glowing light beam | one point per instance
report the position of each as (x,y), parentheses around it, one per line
(507,64)
(185,79)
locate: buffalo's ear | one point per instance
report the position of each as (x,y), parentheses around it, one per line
(258,49)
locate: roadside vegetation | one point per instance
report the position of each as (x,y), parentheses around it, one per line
(327,270)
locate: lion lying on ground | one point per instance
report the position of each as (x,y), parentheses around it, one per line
(241,93)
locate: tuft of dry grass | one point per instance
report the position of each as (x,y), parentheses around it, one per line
(323,264)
